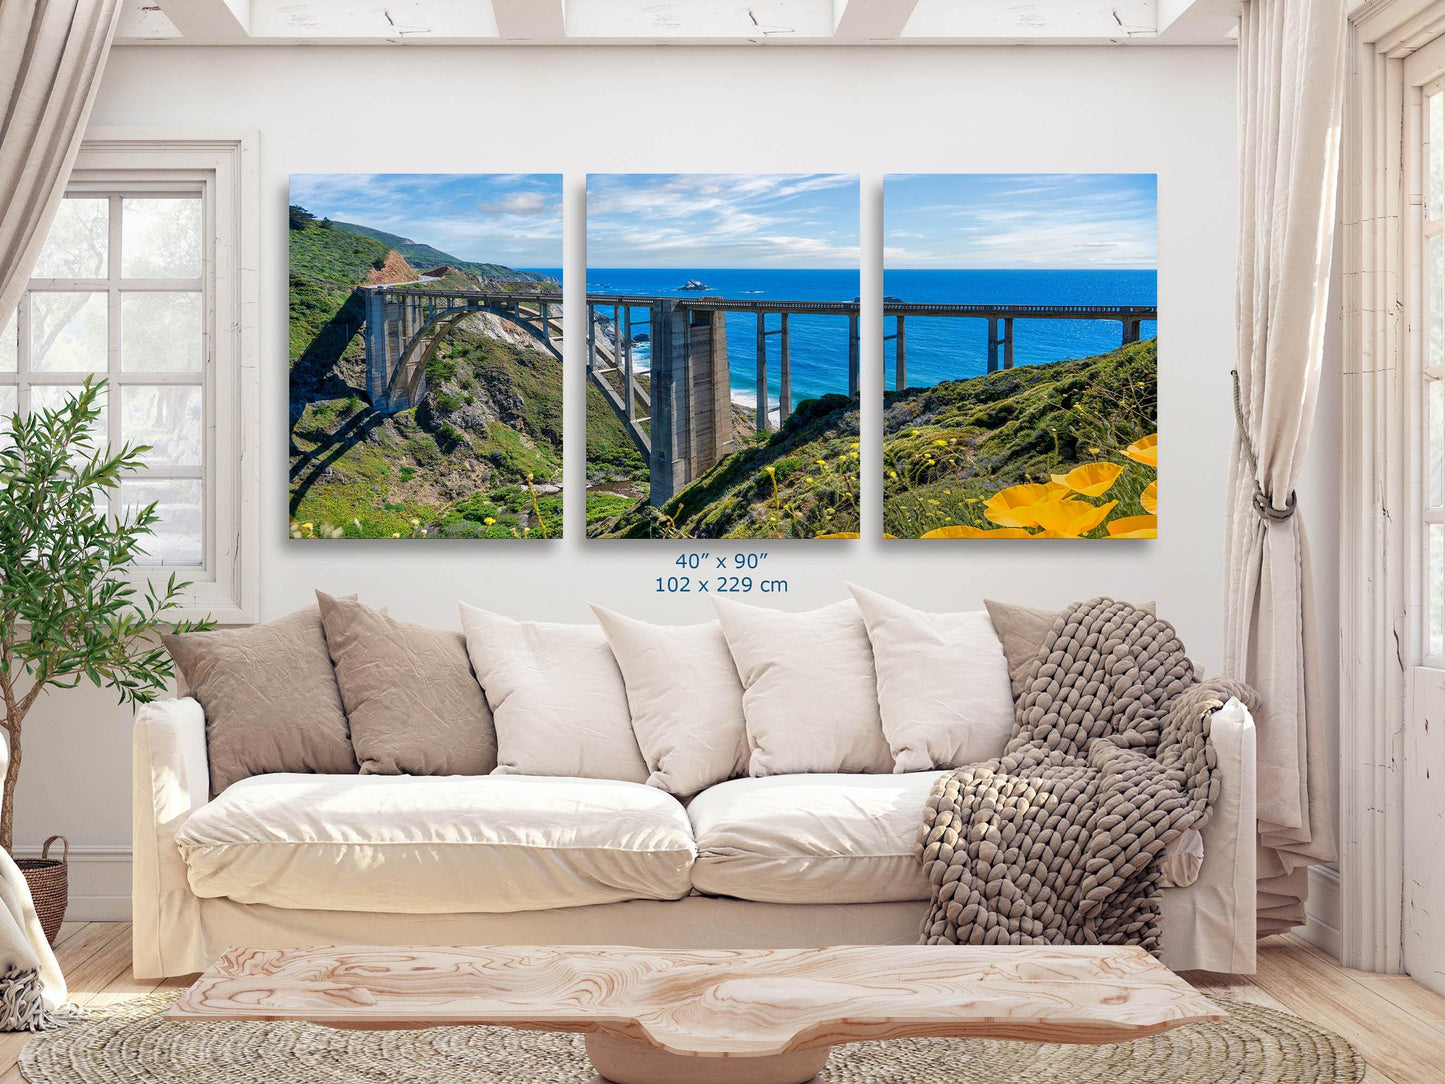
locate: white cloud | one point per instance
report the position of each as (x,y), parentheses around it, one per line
(723,220)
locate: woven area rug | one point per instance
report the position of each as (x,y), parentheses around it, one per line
(131,1044)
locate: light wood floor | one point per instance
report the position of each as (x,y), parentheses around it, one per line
(1398,1025)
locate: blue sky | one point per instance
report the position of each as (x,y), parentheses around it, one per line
(722,220)
(1030,220)
(512,219)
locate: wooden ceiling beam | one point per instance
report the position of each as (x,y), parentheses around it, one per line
(210,20)
(1062,21)
(530,20)
(871,20)
(644,22)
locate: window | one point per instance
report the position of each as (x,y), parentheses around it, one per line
(1432,349)
(141,281)
(1430,339)
(119,292)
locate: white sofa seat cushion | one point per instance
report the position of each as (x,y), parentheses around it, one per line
(437,844)
(821,838)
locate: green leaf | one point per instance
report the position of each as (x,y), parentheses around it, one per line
(68,612)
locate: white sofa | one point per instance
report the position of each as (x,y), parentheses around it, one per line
(783,861)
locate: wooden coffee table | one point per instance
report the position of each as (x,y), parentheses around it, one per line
(746,1016)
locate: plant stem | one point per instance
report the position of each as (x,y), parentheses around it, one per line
(12,775)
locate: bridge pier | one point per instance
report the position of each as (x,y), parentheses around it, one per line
(623,327)
(997,338)
(853,356)
(785,375)
(761,411)
(1131,330)
(691,423)
(900,354)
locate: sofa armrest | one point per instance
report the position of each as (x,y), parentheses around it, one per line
(171,779)
(1210,925)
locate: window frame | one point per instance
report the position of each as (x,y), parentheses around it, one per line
(115,286)
(1423,75)
(226,586)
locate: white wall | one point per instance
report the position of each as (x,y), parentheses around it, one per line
(1164,110)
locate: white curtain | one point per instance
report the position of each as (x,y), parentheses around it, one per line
(51,56)
(1291,81)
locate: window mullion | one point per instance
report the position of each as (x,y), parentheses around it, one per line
(112,414)
(22,354)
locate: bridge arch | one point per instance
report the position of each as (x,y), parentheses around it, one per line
(405,327)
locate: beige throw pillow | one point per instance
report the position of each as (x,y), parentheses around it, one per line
(270,698)
(1022,631)
(412,701)
(685,699)
(810,695)
(557,698)
(943,684)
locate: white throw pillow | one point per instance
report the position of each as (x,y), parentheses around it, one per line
(943,684)
(685,698)
(809,692)
(557,698)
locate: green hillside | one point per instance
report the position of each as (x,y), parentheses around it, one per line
(948,448)
(481,456)
(425,257)
(799,482)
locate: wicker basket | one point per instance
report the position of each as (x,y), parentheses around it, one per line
(49,885)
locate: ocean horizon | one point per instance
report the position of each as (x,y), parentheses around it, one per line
(939,348)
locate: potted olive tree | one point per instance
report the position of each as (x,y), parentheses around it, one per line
(69,612)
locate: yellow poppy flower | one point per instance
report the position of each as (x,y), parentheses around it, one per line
(1070,518)
(1145,450)
(1135,527)
(959,531)
(1091,479)
(1012,507)
(1150,498)
(842,534)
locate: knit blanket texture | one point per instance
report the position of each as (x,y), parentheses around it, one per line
(1060,841)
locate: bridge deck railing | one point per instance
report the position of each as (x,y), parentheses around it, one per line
(1000,319)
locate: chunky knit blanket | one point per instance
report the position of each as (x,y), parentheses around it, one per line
(1059,842)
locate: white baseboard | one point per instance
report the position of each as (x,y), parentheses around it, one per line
(99,876)
(1322,910)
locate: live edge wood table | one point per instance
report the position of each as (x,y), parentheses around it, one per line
(746,1016)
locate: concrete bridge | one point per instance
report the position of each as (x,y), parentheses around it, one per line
(404,326)
(1000,320)
(685,423)
(679,411)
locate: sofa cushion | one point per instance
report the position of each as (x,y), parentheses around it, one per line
(812,838)
(412,701)
(270,696)
(557,698)
(685,698)
(437,844)
(943,684)
(810,695)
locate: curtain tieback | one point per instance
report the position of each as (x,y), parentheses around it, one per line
(1263,502)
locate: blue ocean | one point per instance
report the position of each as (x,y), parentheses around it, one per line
(939,348)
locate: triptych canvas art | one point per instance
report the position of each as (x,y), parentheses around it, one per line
(724,354)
